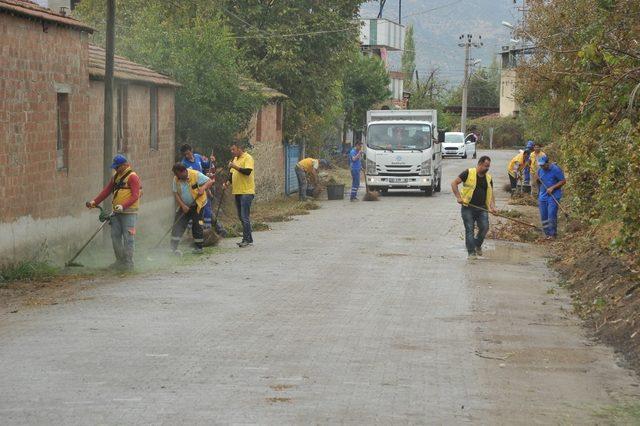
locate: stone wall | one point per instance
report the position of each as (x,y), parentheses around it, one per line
(268,152)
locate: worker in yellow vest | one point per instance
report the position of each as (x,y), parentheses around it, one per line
(477,201)
(190,191)
(307,170)
(126,189)
(533,159)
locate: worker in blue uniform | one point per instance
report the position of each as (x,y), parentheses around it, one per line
(551,179)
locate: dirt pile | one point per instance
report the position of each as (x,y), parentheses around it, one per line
(522,199)
(512,231)
(606,292)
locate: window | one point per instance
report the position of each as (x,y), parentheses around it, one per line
(62,131)
(121,118)
(259,126)
(279,116)
(153,117)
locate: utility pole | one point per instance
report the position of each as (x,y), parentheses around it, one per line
(466,41)
(108,92)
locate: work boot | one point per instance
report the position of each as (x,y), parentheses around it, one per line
(472,256)
(479,251)
(244,244)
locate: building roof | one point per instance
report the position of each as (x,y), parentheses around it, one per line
(124,69)
(266,91)
(30,10)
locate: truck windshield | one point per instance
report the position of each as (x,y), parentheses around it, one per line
(453,138)
(399,136)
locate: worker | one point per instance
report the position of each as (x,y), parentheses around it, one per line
(307,170)
(243,187)
(355,164)
(202,164)
(126,189)
(533,160)
(516,168)
(189,189)
(551,179)
(476,200)
(528,149)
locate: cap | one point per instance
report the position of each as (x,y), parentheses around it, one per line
(530,145)
(543,160)
(118,160)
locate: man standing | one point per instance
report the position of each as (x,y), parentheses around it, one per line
(243,187)
(551,179)
(126,189)
(355,163)
(190,191)
(201,164)
(477,191)
(533,160)
(516,168)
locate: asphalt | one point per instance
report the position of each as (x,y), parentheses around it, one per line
(359,313)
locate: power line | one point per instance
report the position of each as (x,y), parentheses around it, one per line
(422,12)
(295,34)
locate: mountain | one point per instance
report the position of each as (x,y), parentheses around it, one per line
(438,25)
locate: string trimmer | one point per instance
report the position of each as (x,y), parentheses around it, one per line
(104,217)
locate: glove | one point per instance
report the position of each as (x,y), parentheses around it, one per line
(118,208)
(90,204)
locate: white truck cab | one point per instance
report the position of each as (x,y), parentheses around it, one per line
(402,151)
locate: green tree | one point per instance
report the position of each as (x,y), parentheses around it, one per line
(365,83)
(409,58)
(195,47)
(483,91)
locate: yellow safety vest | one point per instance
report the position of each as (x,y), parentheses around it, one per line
(122,190)
(469,186)
(517,159)
(533,158)
(201,200)
(306,164)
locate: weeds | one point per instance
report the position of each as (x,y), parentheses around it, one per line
(28,270)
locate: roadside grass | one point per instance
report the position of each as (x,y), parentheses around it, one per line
(626,413)
(28,270)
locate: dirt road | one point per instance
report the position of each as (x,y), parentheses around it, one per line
(358,313)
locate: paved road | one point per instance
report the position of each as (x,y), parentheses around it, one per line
(358,313)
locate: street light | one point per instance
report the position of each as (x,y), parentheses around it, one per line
(507,24)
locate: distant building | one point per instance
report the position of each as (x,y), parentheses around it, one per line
(510,57)
(51,130)
(379,36)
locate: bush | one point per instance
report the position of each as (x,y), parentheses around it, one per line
(508,132)
(28,270)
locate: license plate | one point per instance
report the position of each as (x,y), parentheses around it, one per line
(398,180)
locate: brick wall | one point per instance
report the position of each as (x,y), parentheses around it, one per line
(39,204)
(268,153)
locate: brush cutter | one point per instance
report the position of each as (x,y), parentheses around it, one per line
(105,218)
(505,217)
(170,229)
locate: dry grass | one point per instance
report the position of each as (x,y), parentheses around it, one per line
(371,196)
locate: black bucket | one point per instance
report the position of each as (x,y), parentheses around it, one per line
(335,192)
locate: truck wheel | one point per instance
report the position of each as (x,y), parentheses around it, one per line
(464,157)
(428,191)
(439,185)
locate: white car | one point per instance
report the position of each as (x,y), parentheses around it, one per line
(456,145)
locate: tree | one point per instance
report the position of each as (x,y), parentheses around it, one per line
(579,89)
(365,83)
(409,58)
(298,48)
(195,47)
(483,91)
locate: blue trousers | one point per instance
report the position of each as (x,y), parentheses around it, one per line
(243,206)
(355,183)
(207,213)
(549,215)
(471,217)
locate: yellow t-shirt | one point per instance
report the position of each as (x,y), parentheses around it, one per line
(308,164)
(242,184)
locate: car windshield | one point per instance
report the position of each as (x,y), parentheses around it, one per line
(453,138)
(399,136)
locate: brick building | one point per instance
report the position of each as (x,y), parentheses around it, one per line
(266,138)
(51,130)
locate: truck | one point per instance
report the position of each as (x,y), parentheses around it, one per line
(403,150)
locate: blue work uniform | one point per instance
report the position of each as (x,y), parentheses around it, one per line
(356,166)
(546,203)
(201,165)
